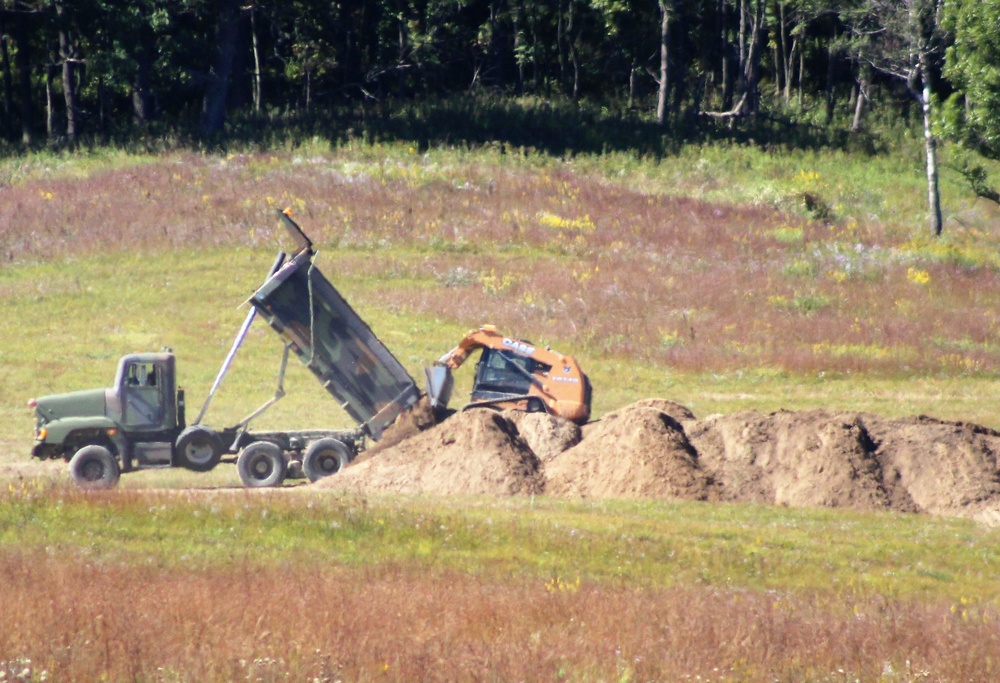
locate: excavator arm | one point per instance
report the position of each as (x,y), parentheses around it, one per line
(514,374)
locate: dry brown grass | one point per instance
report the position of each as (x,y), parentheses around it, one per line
(549,253)
(79,619)
(554,255)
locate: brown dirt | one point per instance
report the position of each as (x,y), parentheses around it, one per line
(946,468)
(546,435)
(418,419)
(809,459)
(638,452)
(658,449)
(476,452)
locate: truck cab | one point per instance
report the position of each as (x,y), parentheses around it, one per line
(137,420)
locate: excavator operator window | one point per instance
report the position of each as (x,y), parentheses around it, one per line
(504,373)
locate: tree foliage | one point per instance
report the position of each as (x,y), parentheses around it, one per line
(973,68)
(103,67)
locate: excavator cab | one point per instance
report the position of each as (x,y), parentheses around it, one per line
(500,375)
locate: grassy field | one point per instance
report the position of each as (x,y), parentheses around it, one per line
(724,278)
(226,585)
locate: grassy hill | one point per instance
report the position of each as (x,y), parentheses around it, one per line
(715,278)
(725,277)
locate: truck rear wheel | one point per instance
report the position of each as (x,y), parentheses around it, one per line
(325,457)
(261,464)
(94,467)
(198,449)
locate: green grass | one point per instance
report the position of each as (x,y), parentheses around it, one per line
(75,317)
(642,543)
(720,307)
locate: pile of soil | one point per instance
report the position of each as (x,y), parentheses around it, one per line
(418,419)
(946,468)
(658,449)
(638,452)
(548,436)
(803,459)
(474,453)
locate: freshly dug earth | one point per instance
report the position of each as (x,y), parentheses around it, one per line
(658,449)
(639,452)
(477,452)
(417,419)
(548,436)
(809,458)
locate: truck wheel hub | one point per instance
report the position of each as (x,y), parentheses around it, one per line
(93,470)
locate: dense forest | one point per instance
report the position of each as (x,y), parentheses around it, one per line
(83,69)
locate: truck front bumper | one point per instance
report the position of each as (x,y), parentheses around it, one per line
(44,451)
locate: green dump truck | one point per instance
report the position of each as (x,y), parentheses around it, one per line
(140,422)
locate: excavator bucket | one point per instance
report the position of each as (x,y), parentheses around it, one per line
(440,383)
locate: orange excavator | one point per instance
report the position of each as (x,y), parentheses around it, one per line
(513,374)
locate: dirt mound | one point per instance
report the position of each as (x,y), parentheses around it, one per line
(658,449)
(675,410)
(945,468)
(819,459)
(418,419)
(811,458)
(471,453)
(546,435)
(637,452)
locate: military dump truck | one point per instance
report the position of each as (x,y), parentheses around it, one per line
(140,422)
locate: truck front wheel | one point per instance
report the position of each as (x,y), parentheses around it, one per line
(198,449)
(261,464)
(94,467)
(325,457)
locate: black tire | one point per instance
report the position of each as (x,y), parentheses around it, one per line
(94,467)
(325,457)
(262,464)
(198,449)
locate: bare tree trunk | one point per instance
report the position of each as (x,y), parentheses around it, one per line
(519,44)
(256,60)
(213,115)
(142,87)
(933,194)
(859,106)
(631,85)
(780,55)
(103,108)
(8,85)
(574,56)
(561,45)
(22,61)
(50,108)
(751,23)
(727,78)
(789,50)
(831,56)
(67,53)
(661,96)
(790,69)
(742,73)
(802,71)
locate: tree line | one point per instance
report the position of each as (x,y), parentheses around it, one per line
(83,67)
